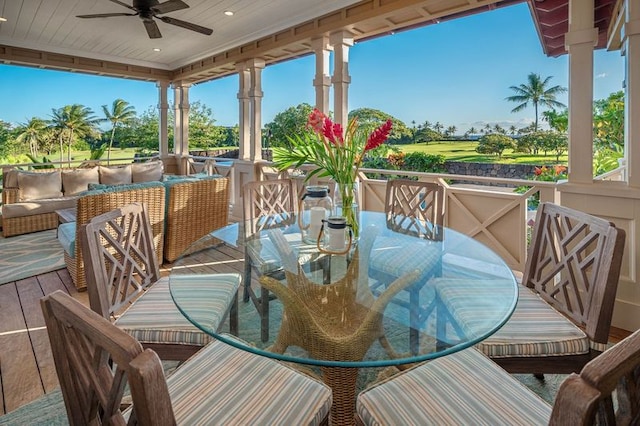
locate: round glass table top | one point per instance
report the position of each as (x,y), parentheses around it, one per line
(395,297)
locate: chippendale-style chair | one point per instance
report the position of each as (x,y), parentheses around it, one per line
(468,388)
(96,361)
(414,208)
(565,304)
(266,205)
(124,284)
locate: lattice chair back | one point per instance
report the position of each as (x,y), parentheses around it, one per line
(607,390)
(574,264)
(119,257)
(269,204)
(415,208)
(94,359)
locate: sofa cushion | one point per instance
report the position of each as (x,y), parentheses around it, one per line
(147,172)
(75,181)
(29,208)
(67,237)
(37,185)
(115,175)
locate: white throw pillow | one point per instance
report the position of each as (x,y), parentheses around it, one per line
(75,181)
(39,185)
(115,175)
(147,172)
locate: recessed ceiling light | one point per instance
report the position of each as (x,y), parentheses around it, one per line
(228,13)
(156,49)
(3,19)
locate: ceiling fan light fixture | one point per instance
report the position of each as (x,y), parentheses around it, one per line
(228,12)
(156,49)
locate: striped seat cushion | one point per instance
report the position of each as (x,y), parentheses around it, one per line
(465,388)
(154,317)
(265,257)
(394,257)
(534,329)
(224,385)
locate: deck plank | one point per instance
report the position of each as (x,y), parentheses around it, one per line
(18,368)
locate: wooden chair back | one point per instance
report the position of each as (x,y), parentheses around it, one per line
(119,256)
(415,208)
(589,398)
(269,204)
(95,360)
(574,264)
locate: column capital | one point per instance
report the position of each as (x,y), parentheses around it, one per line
(321,43)
(586,36)
(342,37)
(630,28)
(242,66)
(180,85)
(255,63)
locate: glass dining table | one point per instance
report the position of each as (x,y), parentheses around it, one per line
(392,300)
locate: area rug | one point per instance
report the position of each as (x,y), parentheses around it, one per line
(27,255)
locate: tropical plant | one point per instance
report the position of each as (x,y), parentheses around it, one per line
(31,133)
(73,121)
(608,121)
(422,162)
(537,92)
(606,159)
(40,164)
(558,121)
(120,114)
(336,153)
(494,144)
(292,121)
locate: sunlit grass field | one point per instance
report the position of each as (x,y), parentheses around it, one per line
(466,151)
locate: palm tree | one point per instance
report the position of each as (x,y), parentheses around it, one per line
(538,93)
(73,120)
(32,134)
(513,130)
(121,113)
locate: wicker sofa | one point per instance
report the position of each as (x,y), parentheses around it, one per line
(181,211)
(101,201)
(30,198)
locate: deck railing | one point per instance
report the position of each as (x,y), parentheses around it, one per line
(497,212)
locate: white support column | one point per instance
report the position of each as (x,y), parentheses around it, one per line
(631,40)
(322,80)
(163,122)
(341,42)
(181,115)
(255,101)
(580,41)
(244,111)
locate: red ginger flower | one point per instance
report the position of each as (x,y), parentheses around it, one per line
(333,132)
(316,120)
(378,136)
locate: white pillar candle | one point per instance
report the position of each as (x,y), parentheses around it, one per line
(317,214)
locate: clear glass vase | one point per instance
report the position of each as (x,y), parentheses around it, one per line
(346,204)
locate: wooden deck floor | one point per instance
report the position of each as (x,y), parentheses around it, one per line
(26,366)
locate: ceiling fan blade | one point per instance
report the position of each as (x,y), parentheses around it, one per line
(105,15)
(152,28)
(122,4)
(187,25)
(169,6)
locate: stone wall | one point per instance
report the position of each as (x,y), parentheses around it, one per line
(509,171)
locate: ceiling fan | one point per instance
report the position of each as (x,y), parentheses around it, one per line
(149,9)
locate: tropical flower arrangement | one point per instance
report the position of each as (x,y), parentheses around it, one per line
(336,153)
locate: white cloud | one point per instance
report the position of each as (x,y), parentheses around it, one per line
(601,75)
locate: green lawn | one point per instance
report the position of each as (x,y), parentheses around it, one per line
(466,151)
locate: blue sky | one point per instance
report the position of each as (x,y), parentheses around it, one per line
(456,72)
